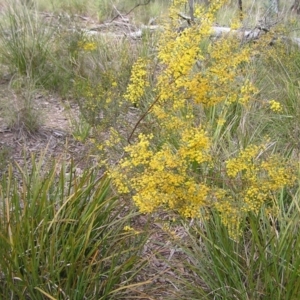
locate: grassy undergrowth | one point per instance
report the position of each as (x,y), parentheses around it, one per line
(62,236)
(208,128)
(264,264)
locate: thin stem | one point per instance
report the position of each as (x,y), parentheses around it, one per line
(142,117)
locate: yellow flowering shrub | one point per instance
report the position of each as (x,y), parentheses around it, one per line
(102,70)
(174,164)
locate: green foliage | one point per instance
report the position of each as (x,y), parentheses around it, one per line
(98,102)
(62,236)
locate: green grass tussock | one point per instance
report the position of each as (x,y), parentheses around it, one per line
(264,264)
(62,236)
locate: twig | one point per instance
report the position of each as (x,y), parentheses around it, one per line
(139,4)
(142,117)
(186,18)
(241,10)
(118,13)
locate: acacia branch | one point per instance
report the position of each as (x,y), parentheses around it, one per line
(142,117)
(145,114)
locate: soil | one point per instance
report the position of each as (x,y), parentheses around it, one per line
(53,137)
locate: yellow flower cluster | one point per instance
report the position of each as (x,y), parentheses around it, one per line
(138,82)
(193,141)
(275,106)
(130,229)
(236,23)
(253,182)
(230,212)
(243,162)
(163,178)
(87,46)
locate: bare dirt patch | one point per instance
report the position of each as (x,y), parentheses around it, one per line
(53,137)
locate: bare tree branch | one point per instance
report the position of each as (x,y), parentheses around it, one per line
(132,9)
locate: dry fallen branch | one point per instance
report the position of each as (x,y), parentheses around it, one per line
(217,32)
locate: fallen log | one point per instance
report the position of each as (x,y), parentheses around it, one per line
(131,31)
